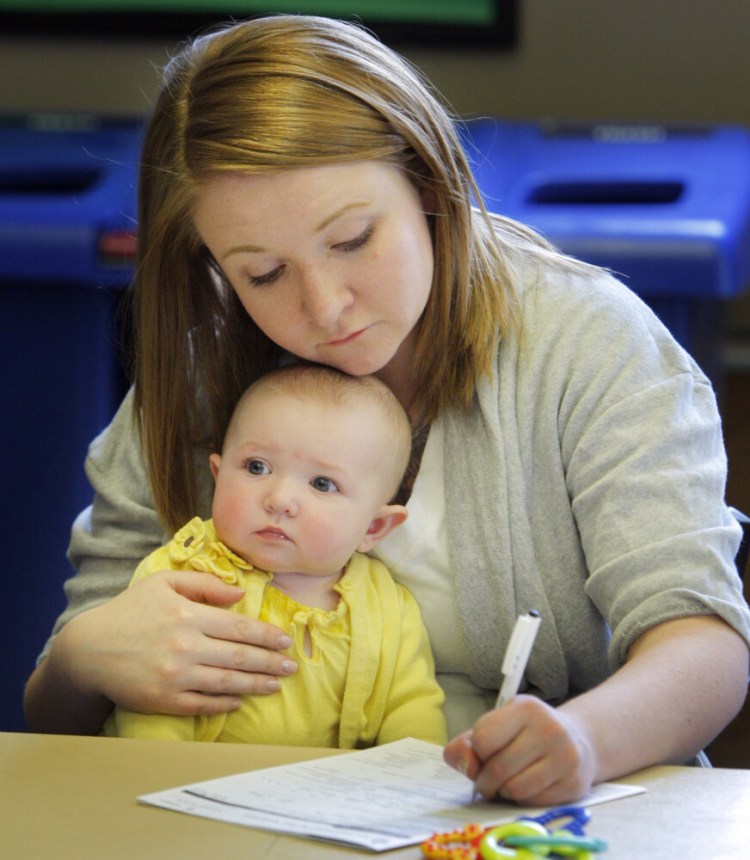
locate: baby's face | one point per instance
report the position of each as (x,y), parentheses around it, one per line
(299,482)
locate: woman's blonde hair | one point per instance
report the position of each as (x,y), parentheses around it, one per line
(274,93)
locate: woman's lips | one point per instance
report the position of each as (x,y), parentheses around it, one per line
(339,341)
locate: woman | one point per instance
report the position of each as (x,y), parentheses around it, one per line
(303,192)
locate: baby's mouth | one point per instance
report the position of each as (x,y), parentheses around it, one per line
(272,533)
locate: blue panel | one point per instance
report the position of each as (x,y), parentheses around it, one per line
(667,208)
(61,191)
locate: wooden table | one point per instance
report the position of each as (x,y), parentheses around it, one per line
(75,797)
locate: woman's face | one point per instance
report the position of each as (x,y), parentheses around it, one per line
(334,263)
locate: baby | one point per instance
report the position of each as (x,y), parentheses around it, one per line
(310,462)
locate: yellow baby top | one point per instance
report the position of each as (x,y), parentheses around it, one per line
(365,672)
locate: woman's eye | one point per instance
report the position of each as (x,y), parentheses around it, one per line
(324,485)
(257,467)
(358,241)
(267,278)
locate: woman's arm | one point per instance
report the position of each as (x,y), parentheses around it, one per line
(684,680)
(161,646)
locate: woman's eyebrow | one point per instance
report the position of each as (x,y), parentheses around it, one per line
(257,249)
(338,213)
(244,249)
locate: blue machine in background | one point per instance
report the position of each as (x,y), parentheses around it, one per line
(667,209)
(67,220)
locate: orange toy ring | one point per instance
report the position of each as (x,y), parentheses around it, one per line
(455,845)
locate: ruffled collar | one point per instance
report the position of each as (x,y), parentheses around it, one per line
(196,544)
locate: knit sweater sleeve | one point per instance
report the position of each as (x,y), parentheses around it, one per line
(645,470)
(591,488)
(120,528)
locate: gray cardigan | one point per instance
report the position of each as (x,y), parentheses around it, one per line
(587,482)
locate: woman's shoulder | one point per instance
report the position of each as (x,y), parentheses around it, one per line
(119,434)
(115,464)
(549,289)
(539,271)
(576,315)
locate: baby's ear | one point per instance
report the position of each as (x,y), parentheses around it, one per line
(385,521)
(214,461)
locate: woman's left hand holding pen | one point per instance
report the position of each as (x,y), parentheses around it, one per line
(527,752)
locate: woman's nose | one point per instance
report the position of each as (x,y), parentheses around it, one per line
(324,298)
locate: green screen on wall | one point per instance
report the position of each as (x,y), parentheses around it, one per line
(446,22)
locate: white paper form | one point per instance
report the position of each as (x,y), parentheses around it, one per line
(377,799)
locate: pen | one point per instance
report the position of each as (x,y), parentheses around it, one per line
(517,655)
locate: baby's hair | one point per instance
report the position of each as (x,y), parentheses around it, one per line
(306,381)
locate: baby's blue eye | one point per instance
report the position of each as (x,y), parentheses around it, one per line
(324,485)
(257,467)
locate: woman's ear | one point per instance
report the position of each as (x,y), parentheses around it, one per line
(385,521)
(214,461)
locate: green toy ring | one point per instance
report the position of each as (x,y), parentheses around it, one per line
(491,847)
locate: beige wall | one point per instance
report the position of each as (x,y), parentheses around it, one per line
(672,60)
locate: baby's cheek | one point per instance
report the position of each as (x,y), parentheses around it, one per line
(327,546)
(228,513)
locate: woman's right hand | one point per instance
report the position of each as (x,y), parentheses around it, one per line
(165,645)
